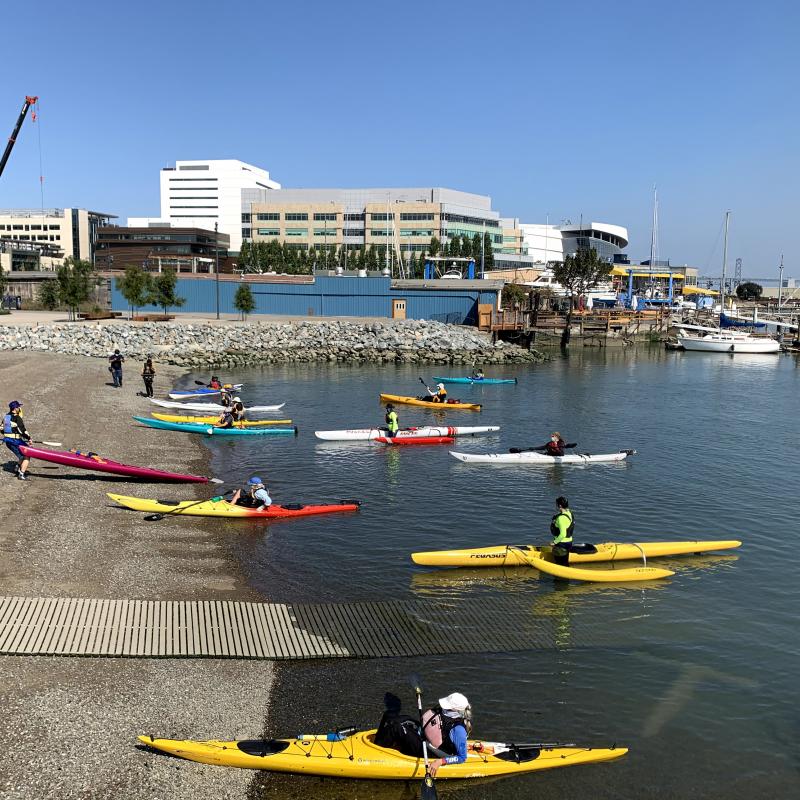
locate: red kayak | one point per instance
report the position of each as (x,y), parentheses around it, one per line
(97,463)
(408,440)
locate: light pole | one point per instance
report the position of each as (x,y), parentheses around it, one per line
(483,242)
(216,263)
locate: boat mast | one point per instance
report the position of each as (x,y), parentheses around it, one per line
(724,264)
(654,231)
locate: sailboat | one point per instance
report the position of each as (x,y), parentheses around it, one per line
(727,341)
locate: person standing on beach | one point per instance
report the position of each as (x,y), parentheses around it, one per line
(115,367)
(14,435)
(148,373)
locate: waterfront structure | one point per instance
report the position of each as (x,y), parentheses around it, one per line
(56,232)
(155,248)
(405,219)
(202,194)
(548,243)
(327,294)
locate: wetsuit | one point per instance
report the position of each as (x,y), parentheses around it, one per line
(148,373)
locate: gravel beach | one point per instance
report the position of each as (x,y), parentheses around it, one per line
(70,724)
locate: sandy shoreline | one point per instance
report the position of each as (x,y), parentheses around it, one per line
(71,724)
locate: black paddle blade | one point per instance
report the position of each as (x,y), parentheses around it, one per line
(514,450)
(154,517)
(428,791)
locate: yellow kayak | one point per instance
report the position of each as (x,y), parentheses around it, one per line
(628,575)
(520,555)
(416,401)
(357,756)
(246,423)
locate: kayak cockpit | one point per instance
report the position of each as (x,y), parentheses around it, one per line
(262,747)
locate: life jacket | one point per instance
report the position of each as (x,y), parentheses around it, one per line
(436,727)
(442,393)
(227,419)
(555,448)
(9,427)
(215,385)
(554,529)
(391,420)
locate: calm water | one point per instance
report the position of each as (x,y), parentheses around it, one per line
(697,675)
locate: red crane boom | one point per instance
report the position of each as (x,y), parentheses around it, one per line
(29,101)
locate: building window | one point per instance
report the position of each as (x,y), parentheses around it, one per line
(416,217)
(297,232)
(194,166)
(353,232)
(246,232)
(36,227)
(54,227)
(379,232)
(17,227)
(294,216)
(269,231)
(246,218)
(354,217)
(295,246)
(381,217)
(271,216)
(324,231)
(324,217)
(197,207)
(172,180)
(415,232)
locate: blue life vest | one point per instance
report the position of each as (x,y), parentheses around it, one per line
(9,429)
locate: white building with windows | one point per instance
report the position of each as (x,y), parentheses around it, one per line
(200,194)
(546,243)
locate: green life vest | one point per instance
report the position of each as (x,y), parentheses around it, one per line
(558,534)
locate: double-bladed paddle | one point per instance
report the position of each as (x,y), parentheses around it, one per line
(428,790)
(49,444)
(534,449)
(181,509)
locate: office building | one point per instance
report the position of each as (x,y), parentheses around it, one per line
(200,194)
(57,232)
(405,219)
(156,248)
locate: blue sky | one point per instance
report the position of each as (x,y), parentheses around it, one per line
(559,109)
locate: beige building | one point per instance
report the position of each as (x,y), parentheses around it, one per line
(57,232)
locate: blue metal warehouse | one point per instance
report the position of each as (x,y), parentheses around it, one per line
(444,300)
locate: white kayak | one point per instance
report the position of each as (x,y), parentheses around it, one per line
(540,459)
(209,407)
(201,391)
(367,434)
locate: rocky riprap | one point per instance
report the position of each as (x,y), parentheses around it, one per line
(195,345)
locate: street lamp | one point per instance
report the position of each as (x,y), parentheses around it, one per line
(216,262)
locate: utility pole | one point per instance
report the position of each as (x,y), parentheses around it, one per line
(724,266)
(216,260)
(483,242)
(780,284)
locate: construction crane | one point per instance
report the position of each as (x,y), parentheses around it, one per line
(29,101)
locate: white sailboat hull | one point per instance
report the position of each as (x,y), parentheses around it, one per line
(722,343)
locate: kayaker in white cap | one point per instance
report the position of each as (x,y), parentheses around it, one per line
(440,395)
(237,409)
(446,728)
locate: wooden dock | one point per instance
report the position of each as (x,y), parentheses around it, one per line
(274,631)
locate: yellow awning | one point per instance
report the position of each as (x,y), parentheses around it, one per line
(676,276)
(619,271)
(698,290)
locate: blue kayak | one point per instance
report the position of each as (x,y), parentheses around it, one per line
(211,430)
(475,380)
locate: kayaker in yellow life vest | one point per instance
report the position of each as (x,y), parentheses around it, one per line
(440,395)
(562,526)
(392,422)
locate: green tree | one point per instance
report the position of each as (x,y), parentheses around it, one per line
(749,290)
(578,274)
(475,248)
(48,295)
(243,300)
(455,247)
(76,280)
(435,246)
(245,254)
(135,286)
(488,253)
(514,295)
(162,292)
(371,258)
(3,282)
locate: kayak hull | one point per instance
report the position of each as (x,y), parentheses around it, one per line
(539,459)
(210,430)
(626,575)
(520,555)
(415,401)
(208,408)
(357,756)
(366,434)
(412,440)
(246,423)
(68,459)
(202,392)
(221,508)
(475,382)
